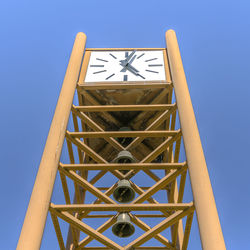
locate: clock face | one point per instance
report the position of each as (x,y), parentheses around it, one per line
(132,65)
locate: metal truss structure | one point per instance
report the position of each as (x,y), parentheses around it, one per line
(156,175)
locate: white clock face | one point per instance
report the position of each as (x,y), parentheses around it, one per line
(116,66)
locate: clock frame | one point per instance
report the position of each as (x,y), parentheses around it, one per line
(103,75)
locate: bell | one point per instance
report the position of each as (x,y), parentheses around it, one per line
(124,141)
(124,157)
(123,226)
(124,193)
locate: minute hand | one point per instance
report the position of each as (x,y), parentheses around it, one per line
(133,68)
(135,72)
(128,58)
(130,62)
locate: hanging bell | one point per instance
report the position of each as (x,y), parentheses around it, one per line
(124,157)
(123,226)
(124,141)
(124,193)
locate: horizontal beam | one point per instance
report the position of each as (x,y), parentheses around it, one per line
(121,134)
(122,207)
(123,166)
(90,216)
(145,107)
(136,248)
(128,85)
(143,188)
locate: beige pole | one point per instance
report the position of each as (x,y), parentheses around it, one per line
(34,222)
(208,220)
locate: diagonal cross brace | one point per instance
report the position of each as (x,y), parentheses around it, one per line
(154,153)
(145,227)
(97,128)
(85,228)
(159,228)
(159,185)
(93,155)
(155,124)
(101,229)
(86,185)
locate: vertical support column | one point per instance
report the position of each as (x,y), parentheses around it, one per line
(34,222)
(208,220)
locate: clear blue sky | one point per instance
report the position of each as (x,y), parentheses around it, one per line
(214,39)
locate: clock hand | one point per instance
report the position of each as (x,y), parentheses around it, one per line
(127,61)
(124,69)
(130,62)
(129,57)
(128,66)
(125,65)
(133,68)
(134,72)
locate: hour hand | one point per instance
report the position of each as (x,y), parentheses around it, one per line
(124,69)
(127,61)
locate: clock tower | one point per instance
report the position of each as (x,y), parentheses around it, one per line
(123,183)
